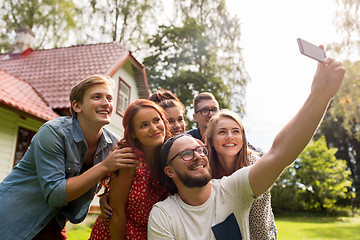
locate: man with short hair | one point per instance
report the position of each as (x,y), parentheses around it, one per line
(205,106)
(219,209)
(57,178)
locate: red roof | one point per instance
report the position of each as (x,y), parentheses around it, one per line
(20,95)
(54,72)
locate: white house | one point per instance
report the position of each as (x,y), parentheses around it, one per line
(35,87)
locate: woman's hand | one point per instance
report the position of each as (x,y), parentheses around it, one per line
(106,210)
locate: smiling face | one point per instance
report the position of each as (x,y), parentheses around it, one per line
(148,127)
(227,138)
(192,173)
(96,106)
(203,121)
(175,117)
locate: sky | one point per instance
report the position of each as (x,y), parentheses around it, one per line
(280,76)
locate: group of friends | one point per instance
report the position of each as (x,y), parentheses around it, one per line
(161,181)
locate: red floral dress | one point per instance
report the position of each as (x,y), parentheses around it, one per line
(145,191)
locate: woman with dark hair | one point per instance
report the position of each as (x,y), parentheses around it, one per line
(228,152)
(174,110)
(133,191)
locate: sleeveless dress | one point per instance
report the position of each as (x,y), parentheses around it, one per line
(144,192)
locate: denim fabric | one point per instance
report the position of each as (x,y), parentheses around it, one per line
(35,190)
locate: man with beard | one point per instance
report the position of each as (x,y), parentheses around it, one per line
(205,106)
(201,208)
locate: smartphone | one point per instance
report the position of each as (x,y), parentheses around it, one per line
(310,50)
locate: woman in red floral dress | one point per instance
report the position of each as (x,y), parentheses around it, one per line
(134,190)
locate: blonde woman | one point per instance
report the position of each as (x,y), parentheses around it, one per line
(228,152)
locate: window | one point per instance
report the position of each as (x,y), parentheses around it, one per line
(23,142)
(123,97)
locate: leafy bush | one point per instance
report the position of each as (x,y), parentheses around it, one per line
(316,181)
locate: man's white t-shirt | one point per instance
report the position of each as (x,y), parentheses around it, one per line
(226,211)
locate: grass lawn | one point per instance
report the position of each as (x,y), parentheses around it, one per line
(81,231)
(294,227)
(317,227)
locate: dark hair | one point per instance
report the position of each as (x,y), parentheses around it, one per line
(203,96)
(164,153)
(166,99)
(162,95)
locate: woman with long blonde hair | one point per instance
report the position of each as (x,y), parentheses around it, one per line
(228,152)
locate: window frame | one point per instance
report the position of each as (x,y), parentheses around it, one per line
(120,96)
(25,144)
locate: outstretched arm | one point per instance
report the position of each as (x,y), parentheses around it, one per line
(294,137)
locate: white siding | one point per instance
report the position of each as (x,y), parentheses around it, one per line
(10,122)
(9,125)
(126,73)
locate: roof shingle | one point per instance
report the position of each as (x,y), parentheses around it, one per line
(54,72)
(20,95)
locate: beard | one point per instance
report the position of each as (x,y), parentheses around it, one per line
(193,181)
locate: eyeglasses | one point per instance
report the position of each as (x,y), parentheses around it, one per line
(206,111)
(189,154)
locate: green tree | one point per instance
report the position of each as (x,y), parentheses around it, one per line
(346,103)
(223,31)
(322,177)
(182,62)
(317,177)
(341,124)
(348,149)
(128,22)
(199,52)
(283,192)
(50,20)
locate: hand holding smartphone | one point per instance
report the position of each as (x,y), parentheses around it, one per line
(310,50)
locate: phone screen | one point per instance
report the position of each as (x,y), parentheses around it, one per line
(310,50)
